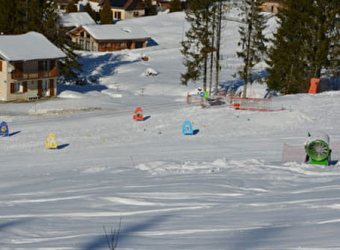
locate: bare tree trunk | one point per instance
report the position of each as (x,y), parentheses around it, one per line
(212,50)
(246,66)
(205,69)
(218,45)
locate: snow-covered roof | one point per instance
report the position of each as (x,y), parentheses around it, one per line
(75,19)
(29,46)
(117,31)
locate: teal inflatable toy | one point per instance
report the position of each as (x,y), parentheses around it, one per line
(187,128)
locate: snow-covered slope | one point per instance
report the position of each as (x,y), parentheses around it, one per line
(225,187)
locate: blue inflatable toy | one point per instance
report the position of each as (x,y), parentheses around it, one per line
(187,128)
(4,129)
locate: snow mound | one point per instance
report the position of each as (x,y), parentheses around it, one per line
(70,94)
(150,72)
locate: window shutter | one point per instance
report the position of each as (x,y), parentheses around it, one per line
(51,87)
(39,87)
(24,87)
(12,87)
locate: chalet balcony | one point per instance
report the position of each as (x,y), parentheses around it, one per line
(19,75)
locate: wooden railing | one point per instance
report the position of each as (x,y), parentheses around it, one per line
(17,74)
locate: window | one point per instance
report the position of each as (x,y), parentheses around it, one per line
(81,42)
(118,15)
(136,14)
(45,85)
(46,65)
(16,87)
(139,45)
(43,66)
(87,45)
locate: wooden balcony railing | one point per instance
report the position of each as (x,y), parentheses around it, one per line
(17,74)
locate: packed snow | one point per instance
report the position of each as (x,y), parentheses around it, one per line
(224,188)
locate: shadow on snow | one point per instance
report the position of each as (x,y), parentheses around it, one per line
(96,67)
(101,241)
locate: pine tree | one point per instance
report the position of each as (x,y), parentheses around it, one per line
(175,5)
(215,26)
(42,19)
(90,11)
(333,69)
(252,40)
(35,15)
(150,10)
(106,14)
(219,16)
(287,57)
(305,45)
(12,16)
(202,43)
(325,35)
(197,43)
(71,7)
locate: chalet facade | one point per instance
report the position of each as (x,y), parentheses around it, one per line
(167,4)
(110,37)
(28,67)
(122,9)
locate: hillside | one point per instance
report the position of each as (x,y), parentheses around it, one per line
(224,188)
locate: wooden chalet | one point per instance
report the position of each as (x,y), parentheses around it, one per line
(110,37)
(28,67)
(124,9)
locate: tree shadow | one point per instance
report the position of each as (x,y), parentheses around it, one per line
(81,89)
(13,224)
(233,85)
(63,146)
(146,117)
(14,133)
(60,146)
(106,64)
(101,241)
